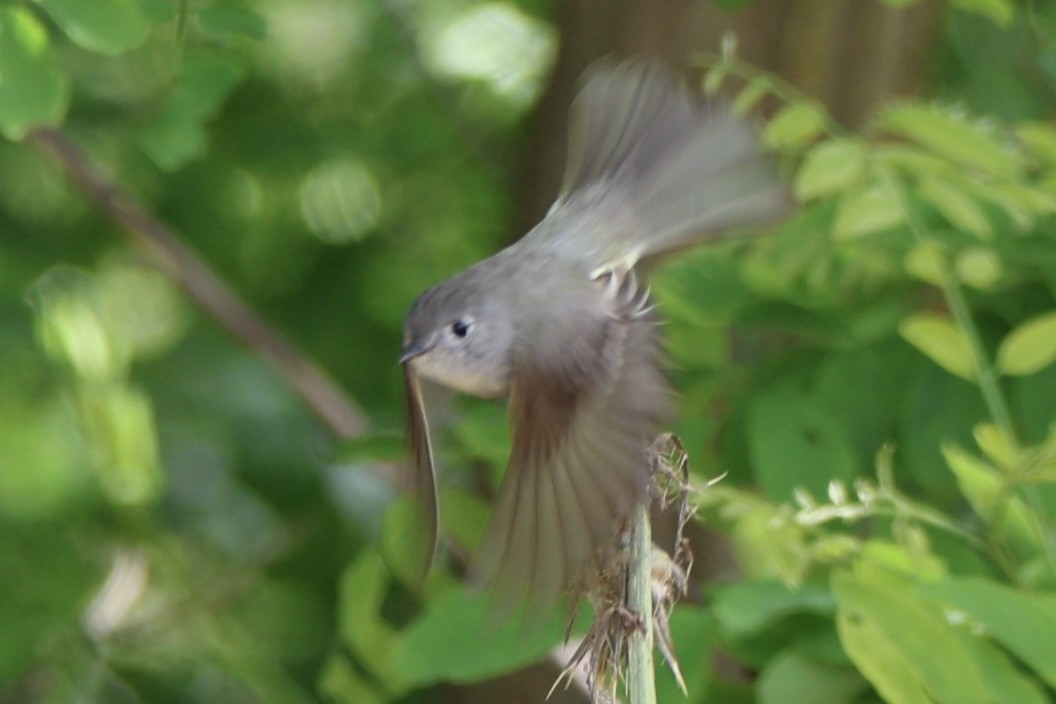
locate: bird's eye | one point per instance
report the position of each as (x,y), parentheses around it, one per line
(460,328)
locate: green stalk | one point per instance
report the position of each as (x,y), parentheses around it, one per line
(641,678)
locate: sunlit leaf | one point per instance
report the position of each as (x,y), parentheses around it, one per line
(795,126)
(867,212)
(750,96)
(890,558)
(913,160)
(892,635)
(714,78)
(927,262)
(1030,347)
(956,206)
(1017,620)
(120,423)
(106,26)
(1004,680)
(952,137)
(941,341)
(978,267)
(830,167)
(33,91)
(1023,202)
(996,443)
(999,12)
(987,493)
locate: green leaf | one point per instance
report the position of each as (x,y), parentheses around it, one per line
(33,91)
(954,138)
(941,341)
(695,636)
(978,267)
(377,447)
(894,558)
(1006,514)
(791,678)
(483,433)
(227,20)
(746,608)
(342,684)
(1019,622)
(866,212)
(1000,12)
(795,126)
(927,262)
(794,442)
(715,77)
(360,624)
(403,544)
(463,516)
(748,98)
(1039,138)
(455,640)
(893,636)
(956,206)
(1030,347)
(1023,202)
(1003,679)
(830,167)
(912,160)
(177,134)
(996,444)
(106,26)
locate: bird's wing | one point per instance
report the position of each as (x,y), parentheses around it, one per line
(588,393)
(423,476)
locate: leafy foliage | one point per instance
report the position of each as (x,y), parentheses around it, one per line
(877,381)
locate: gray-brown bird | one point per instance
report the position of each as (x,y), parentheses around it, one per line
(561,322)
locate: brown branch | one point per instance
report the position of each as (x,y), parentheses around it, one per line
(330,404)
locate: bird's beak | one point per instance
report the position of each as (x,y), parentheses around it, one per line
(413,349)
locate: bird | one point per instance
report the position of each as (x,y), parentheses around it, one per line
(562,324)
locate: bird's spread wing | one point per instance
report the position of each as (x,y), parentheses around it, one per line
(588,393)
(423,476)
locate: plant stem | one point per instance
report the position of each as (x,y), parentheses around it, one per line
(984,372)
(951,291)
(641,680)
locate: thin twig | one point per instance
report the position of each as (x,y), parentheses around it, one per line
(330,404)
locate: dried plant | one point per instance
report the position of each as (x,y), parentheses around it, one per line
(602,653)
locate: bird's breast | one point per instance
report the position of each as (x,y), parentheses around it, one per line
(466,379)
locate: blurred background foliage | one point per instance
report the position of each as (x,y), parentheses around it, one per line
(875,380)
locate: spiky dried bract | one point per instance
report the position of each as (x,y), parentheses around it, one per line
(602,653)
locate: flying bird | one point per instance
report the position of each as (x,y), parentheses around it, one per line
(562,324)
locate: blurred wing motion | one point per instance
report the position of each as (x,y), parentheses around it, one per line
(423,476)
(687,170)
(582,409)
